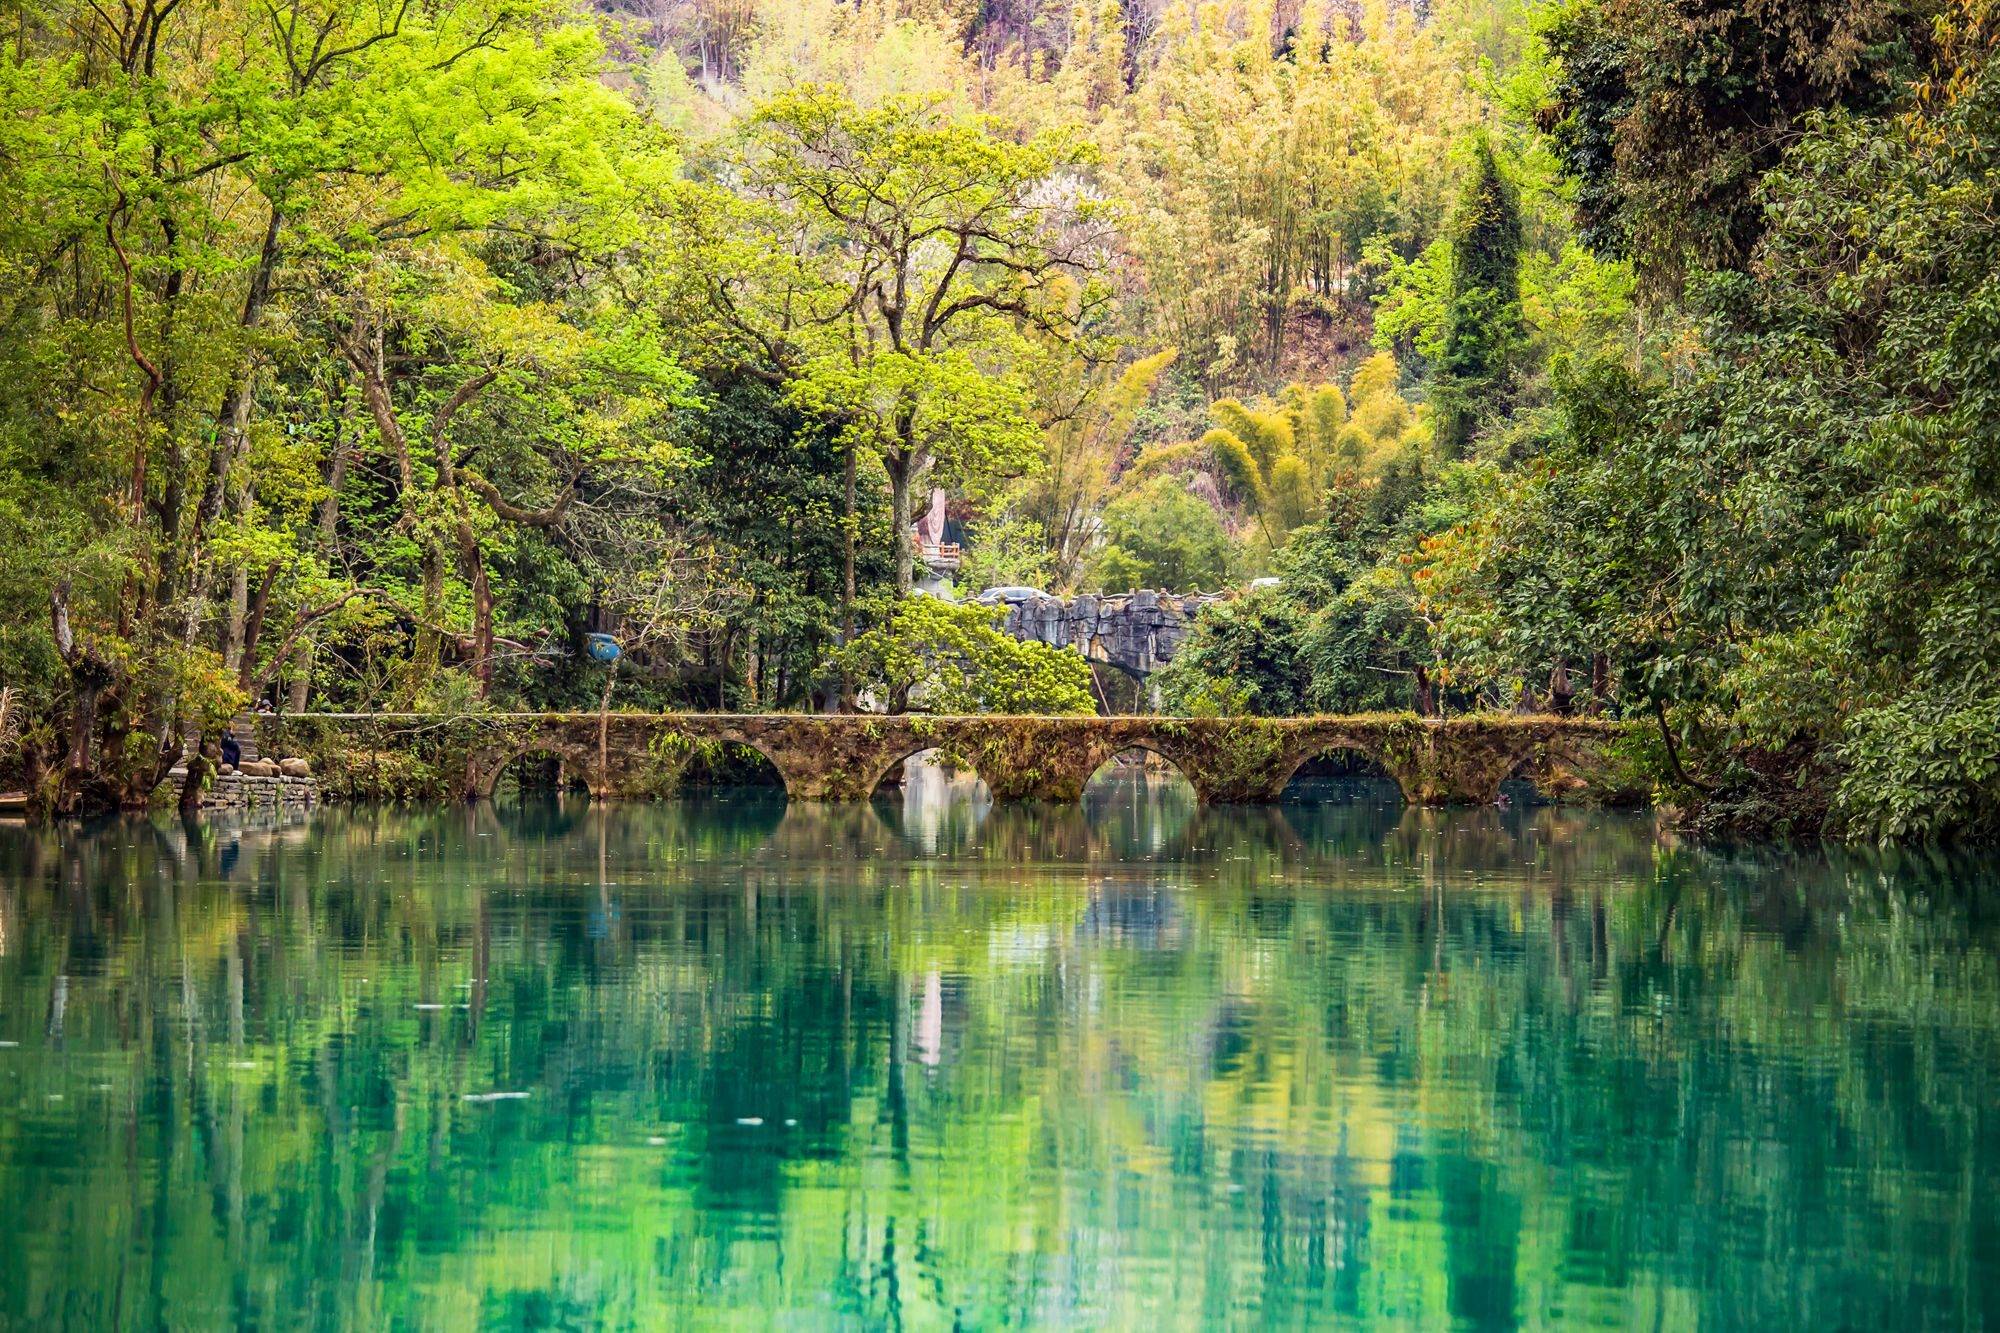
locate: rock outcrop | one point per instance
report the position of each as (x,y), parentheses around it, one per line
(1137,632)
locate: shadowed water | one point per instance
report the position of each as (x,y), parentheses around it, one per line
(934,1062)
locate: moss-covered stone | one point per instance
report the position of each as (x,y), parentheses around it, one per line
(1228,760)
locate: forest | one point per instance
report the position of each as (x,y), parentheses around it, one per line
(1632,358)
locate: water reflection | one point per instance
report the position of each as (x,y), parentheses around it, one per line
(933,1060)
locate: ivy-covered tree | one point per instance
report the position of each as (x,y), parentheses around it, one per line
(1482,314)
(1241,658)
(1666,113)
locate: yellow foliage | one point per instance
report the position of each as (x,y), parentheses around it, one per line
(1293,496)
(1384,417)
(1089,422)
(1267,434)
(873,50)
(1374,377)
(1352,448)
(1158,459)
(1255,170)
(1235,465)
(1318,415)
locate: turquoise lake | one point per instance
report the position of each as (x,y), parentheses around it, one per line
(933,1063)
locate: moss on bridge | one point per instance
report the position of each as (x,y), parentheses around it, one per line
(844,758)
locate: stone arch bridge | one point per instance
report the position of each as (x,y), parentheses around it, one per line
(844,758)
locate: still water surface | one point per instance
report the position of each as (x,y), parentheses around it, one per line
(926,1063)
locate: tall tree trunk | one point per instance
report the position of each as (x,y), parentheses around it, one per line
(899,466)
(234,417)
(724,668)
(473,563)
(84,691)
(234,622)
(604,730)
(90,675)
(1561,694)
(429,650)
(253,626)
(299,687)
(367,357)
(848,537)
(328,518)
(191,785)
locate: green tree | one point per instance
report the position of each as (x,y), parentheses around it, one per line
(1666,115)
(1162,536)
(1361,644)
(1787,547)
(1242,657)
(758,507)
(545,396)
(175,176)
(929,250)
(936,656)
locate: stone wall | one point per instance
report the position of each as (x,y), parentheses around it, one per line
(268,784)
(240,791)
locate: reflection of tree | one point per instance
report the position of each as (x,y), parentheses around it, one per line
(1462,1066)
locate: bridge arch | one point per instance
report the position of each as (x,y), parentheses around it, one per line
(948,758)
(1363,757)
(1553,767)
(727,763)
(485,764)
(824,758)
(543,769)
(1147,747)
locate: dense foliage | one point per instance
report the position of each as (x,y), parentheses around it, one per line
(1789,546)
(1596,355)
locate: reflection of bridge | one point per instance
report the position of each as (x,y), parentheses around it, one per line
(844,758)
(1115,840)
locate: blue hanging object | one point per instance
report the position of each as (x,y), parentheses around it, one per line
(602,648)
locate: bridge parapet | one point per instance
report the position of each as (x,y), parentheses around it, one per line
(844,758)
